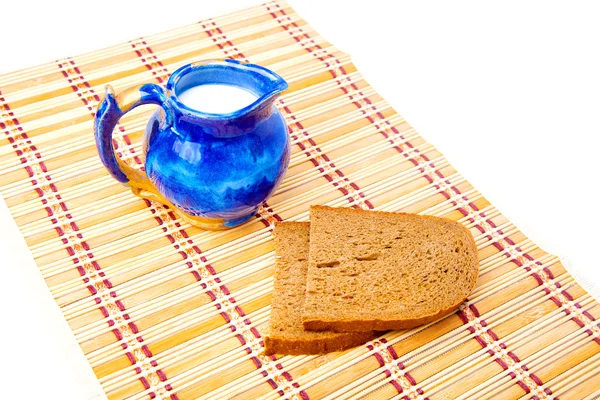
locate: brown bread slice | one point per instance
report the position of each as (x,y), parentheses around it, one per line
(287,336)
(373,270)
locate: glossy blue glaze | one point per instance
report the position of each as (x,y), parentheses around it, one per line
(108,114)
(212,176)
(215,166)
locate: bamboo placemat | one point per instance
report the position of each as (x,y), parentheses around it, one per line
(162,309)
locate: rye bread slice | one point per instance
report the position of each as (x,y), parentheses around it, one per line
(373,270)
(287,336)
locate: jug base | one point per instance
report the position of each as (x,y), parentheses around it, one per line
(214,224)
(210,224)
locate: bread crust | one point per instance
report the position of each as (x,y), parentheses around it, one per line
(358,325)
(322,323)
(287,343)
(362,211)
(277,345)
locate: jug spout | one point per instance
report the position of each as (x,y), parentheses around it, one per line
(276,86)
(257,79)
(263,83)
(269,86)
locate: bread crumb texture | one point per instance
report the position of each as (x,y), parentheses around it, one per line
(286,332)
(377,271)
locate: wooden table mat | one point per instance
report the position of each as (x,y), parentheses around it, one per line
(164,310)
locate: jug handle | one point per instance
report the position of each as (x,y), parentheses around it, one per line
(109,111)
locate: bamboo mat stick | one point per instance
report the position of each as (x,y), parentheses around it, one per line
(188,292)
(531,363)
(484,361)
(487,318)
(455,343)
(588,368)
(484,389)
(196,345)
(593,396)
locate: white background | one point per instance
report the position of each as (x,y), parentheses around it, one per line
(509,91)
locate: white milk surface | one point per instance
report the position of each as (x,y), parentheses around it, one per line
(216,99)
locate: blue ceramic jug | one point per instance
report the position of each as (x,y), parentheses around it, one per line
(215,170)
